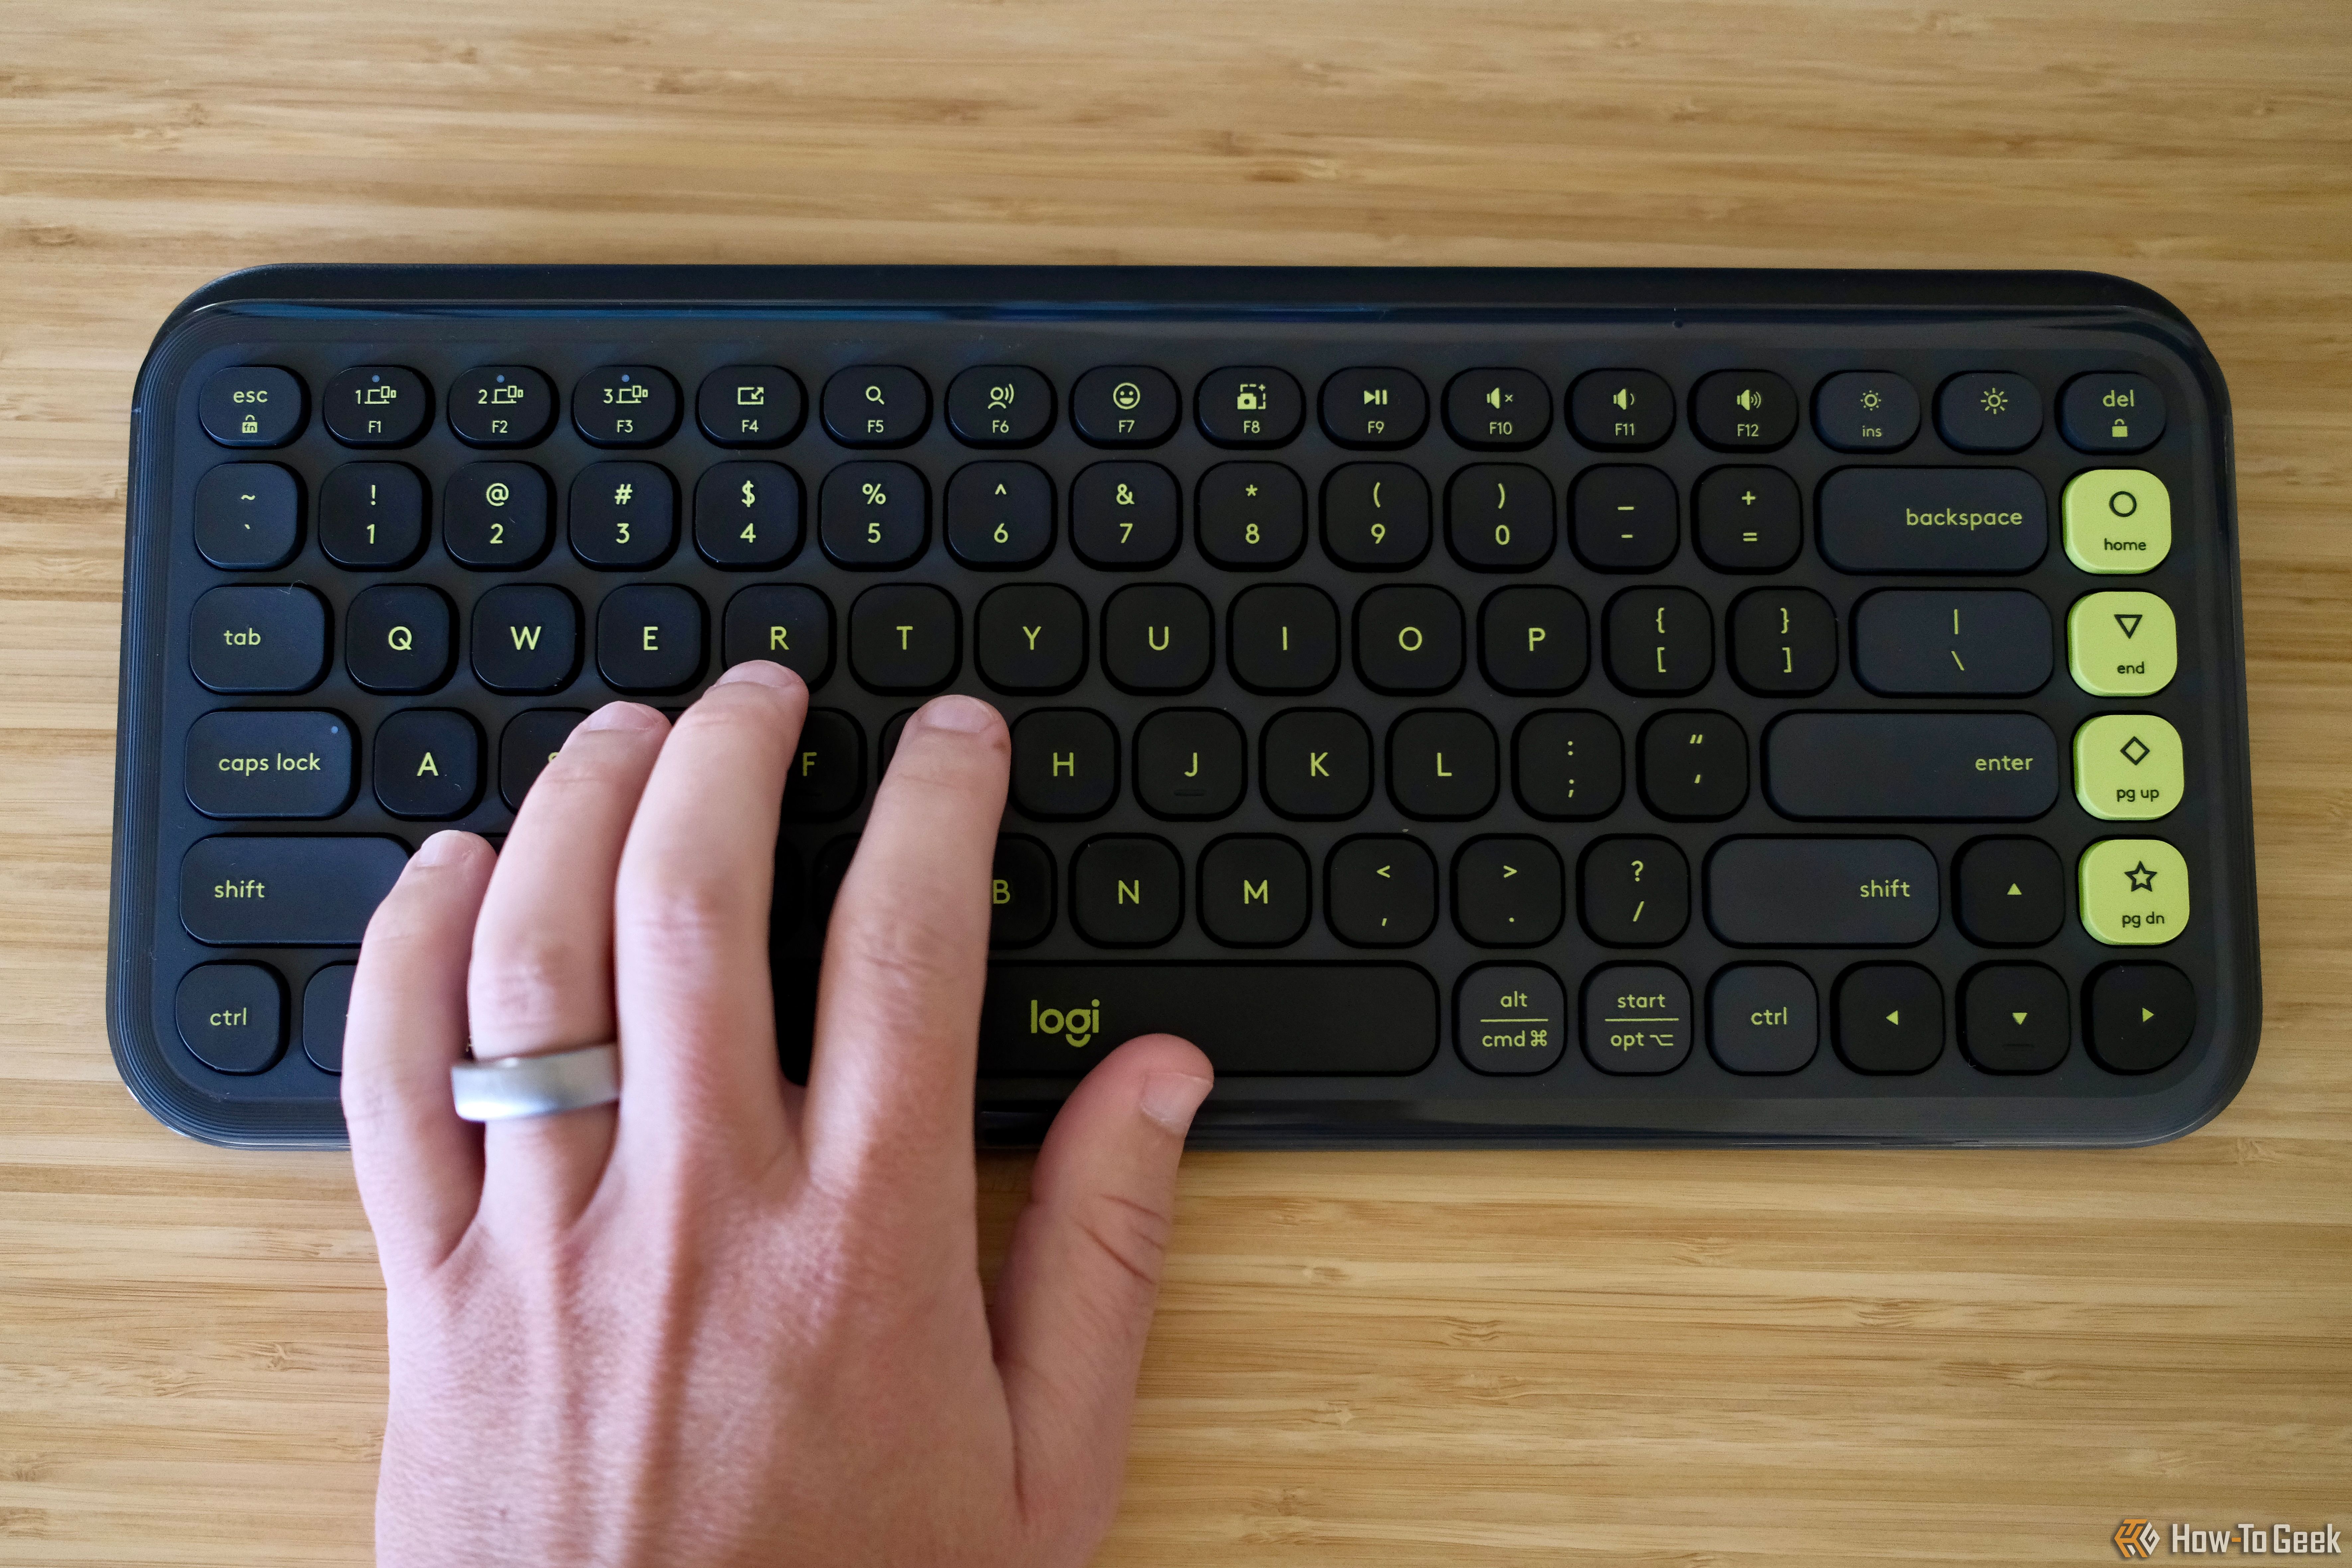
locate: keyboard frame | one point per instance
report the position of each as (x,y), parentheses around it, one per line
(1804,325)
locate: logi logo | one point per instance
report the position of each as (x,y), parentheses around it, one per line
(2138,1538)
(1078,1025)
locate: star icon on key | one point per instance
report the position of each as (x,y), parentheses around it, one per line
(2143,880)
(1249,490)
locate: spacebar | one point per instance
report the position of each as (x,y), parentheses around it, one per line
(1050,1019)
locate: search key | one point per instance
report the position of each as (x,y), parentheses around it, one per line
(875,405)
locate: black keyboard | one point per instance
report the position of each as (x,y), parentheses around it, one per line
(1476,707)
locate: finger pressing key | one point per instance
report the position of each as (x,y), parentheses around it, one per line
(542,972)
(905,960)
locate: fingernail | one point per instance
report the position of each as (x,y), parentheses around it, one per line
(965,715)
(1170,1098)
(441,848)
(622,716)
(759,672)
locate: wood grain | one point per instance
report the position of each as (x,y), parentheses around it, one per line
(1445,1359)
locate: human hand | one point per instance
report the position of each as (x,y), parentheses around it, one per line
(730,1320)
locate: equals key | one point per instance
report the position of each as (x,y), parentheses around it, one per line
(1989,642)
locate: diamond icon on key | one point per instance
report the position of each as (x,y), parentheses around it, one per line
(2135,751)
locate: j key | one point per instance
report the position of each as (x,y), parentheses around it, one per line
(1381,892)
(1784,641)
(259,640)
(1286,637)
(326,1001)
(1747,519)
(248,516)
(283,762)
(1510,1018)
(1409,638)
(1934,520)
(428,764)
(750,406)
(905,636)
(875,405)
(251,406)
(1021,893)
(376,405)
(623,515)
(1637,1019)
(1374,406)
(2013,1018)
(526,638)
(1694,766)
(1000,516)
(2111,411)
(1158,637)
(1249,405)
(1569,766)
(313,891)
(999,405)
(2011,892)
(784,623)
(401,638)
(1317,763)
(1255,891)
(1989,411)
(874,516)
(529,743)
(2142,1016)
(827,777)
(1376,516)
(495,516)
(232,1017)
(1030,638)
(1126,891)
(1442,765)
(1497,408)
(1634,892)
(1890,1018)
(1957,766)
(1253,516)
(502,405)
(1509,892)
(1499,517)
(650,638)
(1125,406)
(747,516)
(1125,517)
(1983,642)
(1064,763)
(624,405)
(1736,408)
(1621,410)
(1822,892)
(1866,411)
(1533,640)
(1623,517)
(372,516)
(1660,641)
(1059,1019)
(1190,763)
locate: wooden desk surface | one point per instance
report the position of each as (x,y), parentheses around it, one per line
(1511,1358)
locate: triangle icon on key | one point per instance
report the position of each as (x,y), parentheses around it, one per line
(2019,1016)
(2014,891)
(2130,623)
(2145,1014)
(1895,1016)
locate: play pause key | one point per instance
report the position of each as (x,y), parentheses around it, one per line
(1510,1018)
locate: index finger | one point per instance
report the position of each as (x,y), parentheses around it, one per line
(906,959)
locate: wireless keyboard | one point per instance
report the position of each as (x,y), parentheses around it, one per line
(1476,707)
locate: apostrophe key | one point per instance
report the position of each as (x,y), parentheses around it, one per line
(1503,706)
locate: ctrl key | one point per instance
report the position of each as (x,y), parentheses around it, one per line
(1510,1018)
(286,892)
(232,1017)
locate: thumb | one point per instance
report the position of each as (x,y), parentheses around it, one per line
(1074,1302)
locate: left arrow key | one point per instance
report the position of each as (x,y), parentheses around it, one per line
(270,762)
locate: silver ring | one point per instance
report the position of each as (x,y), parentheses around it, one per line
(501,1089)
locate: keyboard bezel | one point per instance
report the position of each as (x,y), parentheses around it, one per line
(1189,320)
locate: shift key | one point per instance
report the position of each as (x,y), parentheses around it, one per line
(312,892)
(1822,892)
